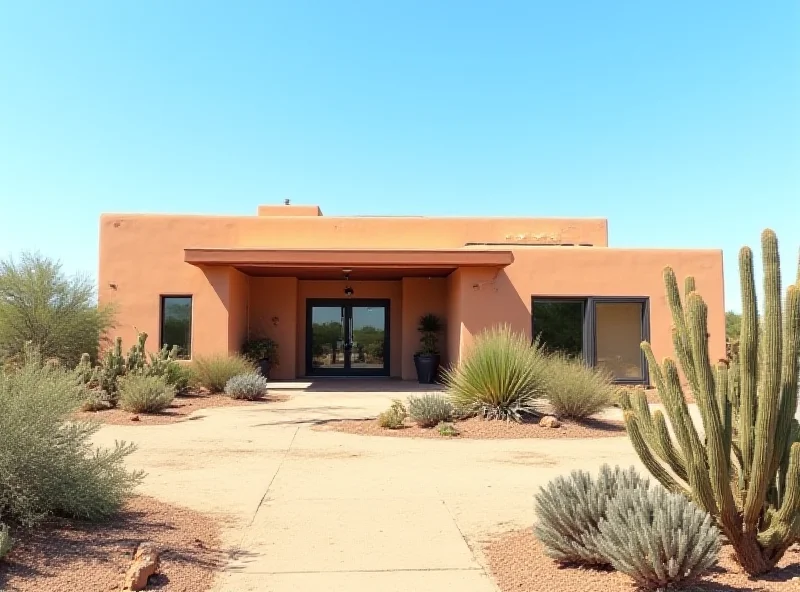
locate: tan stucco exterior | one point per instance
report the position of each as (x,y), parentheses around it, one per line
(418,264)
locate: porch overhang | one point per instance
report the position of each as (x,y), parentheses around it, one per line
(362,264)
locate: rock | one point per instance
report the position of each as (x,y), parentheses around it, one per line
(145,564)
(548,421)
(135,418)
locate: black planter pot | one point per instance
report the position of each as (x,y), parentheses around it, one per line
(427,366)
(264,367)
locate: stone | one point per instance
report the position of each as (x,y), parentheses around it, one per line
(549,421)
(145,564)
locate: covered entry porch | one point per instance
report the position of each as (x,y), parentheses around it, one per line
(344,312)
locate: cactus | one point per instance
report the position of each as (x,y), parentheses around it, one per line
(745,470)
(137,358)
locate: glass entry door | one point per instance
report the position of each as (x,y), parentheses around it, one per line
(347,337)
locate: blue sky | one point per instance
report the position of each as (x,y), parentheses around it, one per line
(678,121)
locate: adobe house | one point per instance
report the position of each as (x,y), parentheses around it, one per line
(343,296)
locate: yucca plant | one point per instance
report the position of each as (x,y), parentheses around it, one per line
(745,469)
(502,376)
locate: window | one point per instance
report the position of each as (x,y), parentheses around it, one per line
(619,329)
(605,332)
(176,324)
(558,325)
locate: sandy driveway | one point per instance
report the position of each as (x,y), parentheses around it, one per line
(307,510)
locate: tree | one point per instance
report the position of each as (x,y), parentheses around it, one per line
(733,325)
(57,313)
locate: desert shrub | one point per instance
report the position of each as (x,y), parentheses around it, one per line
(576,390)
(501,377)
(140,393)
(250,386)
(658,538)
(57,313)
(447,429)
(394,416)
(569,510)
(430,409)
(5,540)
(47,463)
(214,372)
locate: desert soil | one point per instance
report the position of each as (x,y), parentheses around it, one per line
(518,563)
(480,429)
(181,407)
(67,556)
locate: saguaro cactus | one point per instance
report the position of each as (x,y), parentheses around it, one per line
(744,467)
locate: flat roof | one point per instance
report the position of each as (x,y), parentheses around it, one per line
(362,264)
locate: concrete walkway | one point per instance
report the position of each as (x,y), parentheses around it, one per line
(306,510)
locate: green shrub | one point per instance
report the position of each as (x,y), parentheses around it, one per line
(658,538)
(448,430)
(250,386)
(430,409)
(57,313)
(140,393)
(394,416)
(569,511)
(575,390)
(47,463)
(5,540)
(214,372)
(501,377)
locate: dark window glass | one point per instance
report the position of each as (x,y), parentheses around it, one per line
(558,325)
(176,324)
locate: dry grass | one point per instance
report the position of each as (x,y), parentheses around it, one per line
(65,556)
(482,429)
(181,407)
(517,562)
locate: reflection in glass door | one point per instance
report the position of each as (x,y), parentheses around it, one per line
(367,337)
(327,337)
(347,337)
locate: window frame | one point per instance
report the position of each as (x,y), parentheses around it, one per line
(161,318)
(590,326)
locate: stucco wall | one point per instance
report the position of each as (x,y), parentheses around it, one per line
(487,297)
(238,308)
(393,291)
(421,296)
(273,314)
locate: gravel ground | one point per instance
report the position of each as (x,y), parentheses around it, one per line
(65,556)
(182,406)
(481,429)
(518,564)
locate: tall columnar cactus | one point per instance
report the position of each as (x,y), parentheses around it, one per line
(745,469)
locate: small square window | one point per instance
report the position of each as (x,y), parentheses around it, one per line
(176,324)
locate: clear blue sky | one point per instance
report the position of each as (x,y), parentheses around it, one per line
(678,121)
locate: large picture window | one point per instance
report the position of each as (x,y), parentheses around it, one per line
(605,332)
(176,324)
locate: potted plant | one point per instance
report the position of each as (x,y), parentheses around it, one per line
(427,359)
(262,351)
